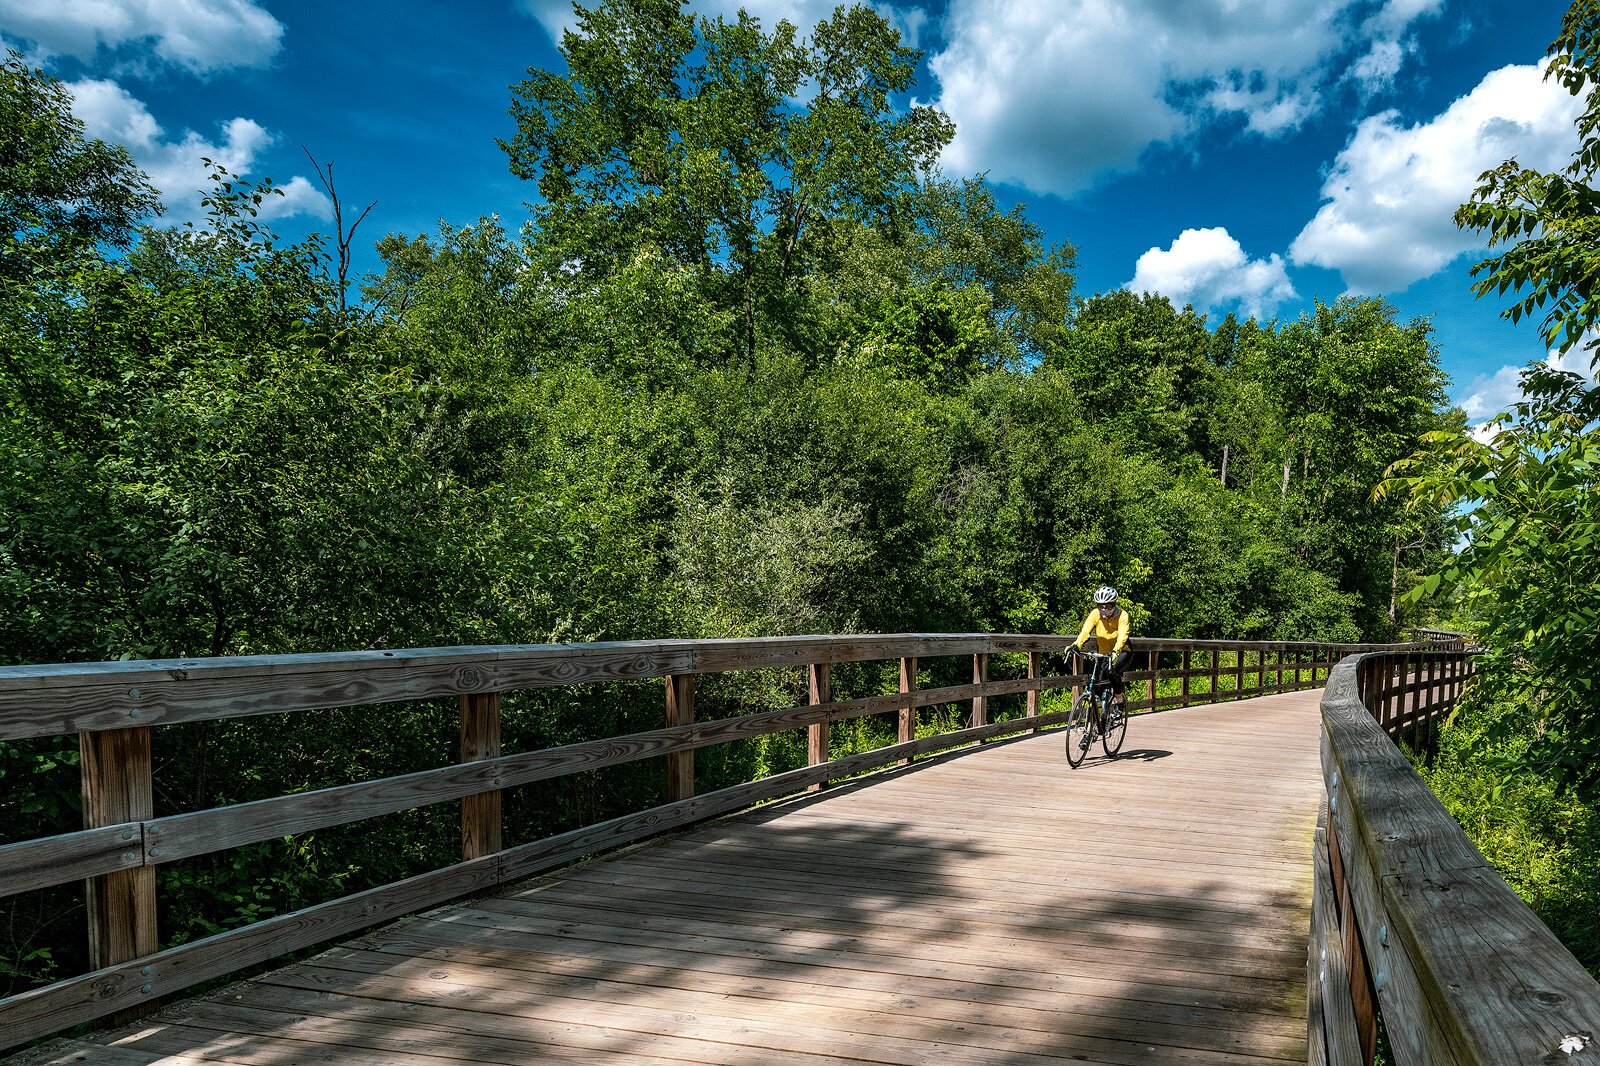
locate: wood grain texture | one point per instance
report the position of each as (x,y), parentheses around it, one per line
(980,677)
(906,718)
(35,864)
(65,698)
(480,740)
(1472,974)
(680,713)
(117,789)
(1148,909)
(1331,1020)
(819,686)
(132,985)
(200,832)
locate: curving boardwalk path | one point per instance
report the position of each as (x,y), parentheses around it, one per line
(990,908)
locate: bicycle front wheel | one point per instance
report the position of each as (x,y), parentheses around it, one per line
(1115,720)
(1078,736)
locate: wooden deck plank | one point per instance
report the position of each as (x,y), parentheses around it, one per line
(991,907)
(787,1027)
(642,885)
(874,990)
(812,998)
(1072,975)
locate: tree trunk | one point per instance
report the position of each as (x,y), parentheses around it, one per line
(1394,582)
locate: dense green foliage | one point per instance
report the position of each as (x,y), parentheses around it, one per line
(754,369)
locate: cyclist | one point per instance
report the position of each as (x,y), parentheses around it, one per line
(1108,624)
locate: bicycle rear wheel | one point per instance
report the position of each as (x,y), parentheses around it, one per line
(1078,736)
(1114,719)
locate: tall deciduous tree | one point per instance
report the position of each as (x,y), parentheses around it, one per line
(60,191)
(730,149)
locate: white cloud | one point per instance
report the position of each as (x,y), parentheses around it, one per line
(1054,95)
(1396,16)
(177,167)
(1208,268)
(197,35)
(557,15)
(1491,394)
(299,197)
(1393,190)
(1377,69)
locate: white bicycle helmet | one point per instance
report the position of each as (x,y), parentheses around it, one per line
(1105,594)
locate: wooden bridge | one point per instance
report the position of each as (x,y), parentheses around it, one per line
(1252,881)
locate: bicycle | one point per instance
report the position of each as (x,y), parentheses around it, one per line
(1095,714)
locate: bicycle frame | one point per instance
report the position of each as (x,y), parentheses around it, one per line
(1099,676)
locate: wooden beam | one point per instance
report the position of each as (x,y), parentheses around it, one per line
(908,711)
(480,739)
(819,681)
(680,711)
(1033,689)
(117,789)
(980,676)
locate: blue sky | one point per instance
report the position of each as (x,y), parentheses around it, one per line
(1246,157)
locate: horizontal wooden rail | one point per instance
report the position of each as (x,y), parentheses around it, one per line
(1423,931)
(35,864)
(66,698)
(124,700)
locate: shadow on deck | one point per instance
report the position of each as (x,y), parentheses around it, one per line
(993,907)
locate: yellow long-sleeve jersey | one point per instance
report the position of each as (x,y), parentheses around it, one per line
(1110,634)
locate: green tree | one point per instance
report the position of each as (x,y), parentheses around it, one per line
(60,191)
(1143,369)
(1548,222)
(1528,571)
(947,248)
(727,149)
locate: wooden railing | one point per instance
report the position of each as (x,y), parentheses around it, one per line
(1408,919)
(113,707)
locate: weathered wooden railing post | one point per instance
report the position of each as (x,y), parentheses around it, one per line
(1033,690)
(1188,661)
(980,676)
(819,680)
(1077,668)
(680,711)
(1216,671)
(1155,666)
(908,711)
(1238,684)
(1395,681)
(480,739)
(117,788)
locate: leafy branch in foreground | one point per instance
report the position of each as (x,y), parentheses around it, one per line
(1549,220)
(1528,575)
(1524,486)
